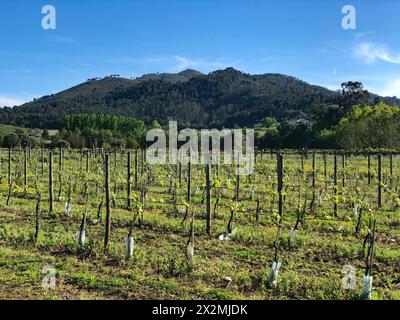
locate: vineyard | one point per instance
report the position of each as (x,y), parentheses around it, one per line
(303,225)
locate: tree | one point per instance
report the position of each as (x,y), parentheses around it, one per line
(20,132)
(11,140)
(45,134)
(271,138)
(27,140)
(102,129)
(270,122)
(325,139)
(325,116)
(353,93)
(155,125)
(370,127)
(118,142)
(61,144)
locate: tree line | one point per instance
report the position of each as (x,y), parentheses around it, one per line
(363,127)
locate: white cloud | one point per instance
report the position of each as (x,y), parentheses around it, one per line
(385,88)
(370,52)
(10,102)
(174,63)
(185,63)
(389,89)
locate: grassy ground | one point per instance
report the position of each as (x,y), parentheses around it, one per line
(311,267)
(7,129)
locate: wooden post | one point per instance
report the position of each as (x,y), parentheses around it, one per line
(50,181)
(115,159)
(369,168)
(208,200)
(9,165)
(379,181)
(313,181)
(237,186)
(335,206)
(25,167)
(87,161)
(42,161)
(81,162)
(188,196)
(302,161)
(180,172)
(136,169)
(325,171)
(60,161)
(343,169)
(115,170)
(143,162)
(129,179)
(189,180)
(108,215)
(391,165)
(280,184)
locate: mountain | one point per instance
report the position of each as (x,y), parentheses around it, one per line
(170,77)
(223,98)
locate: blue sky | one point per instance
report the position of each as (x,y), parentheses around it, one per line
(94,38)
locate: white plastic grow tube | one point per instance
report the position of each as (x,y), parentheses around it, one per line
(129,246)
(80,238)
(366,288)
(273,274)
(67,208)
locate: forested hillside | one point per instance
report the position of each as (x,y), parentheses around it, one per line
(224,98)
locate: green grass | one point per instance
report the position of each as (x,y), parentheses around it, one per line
(7,129)
(311,268)
(158,269)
